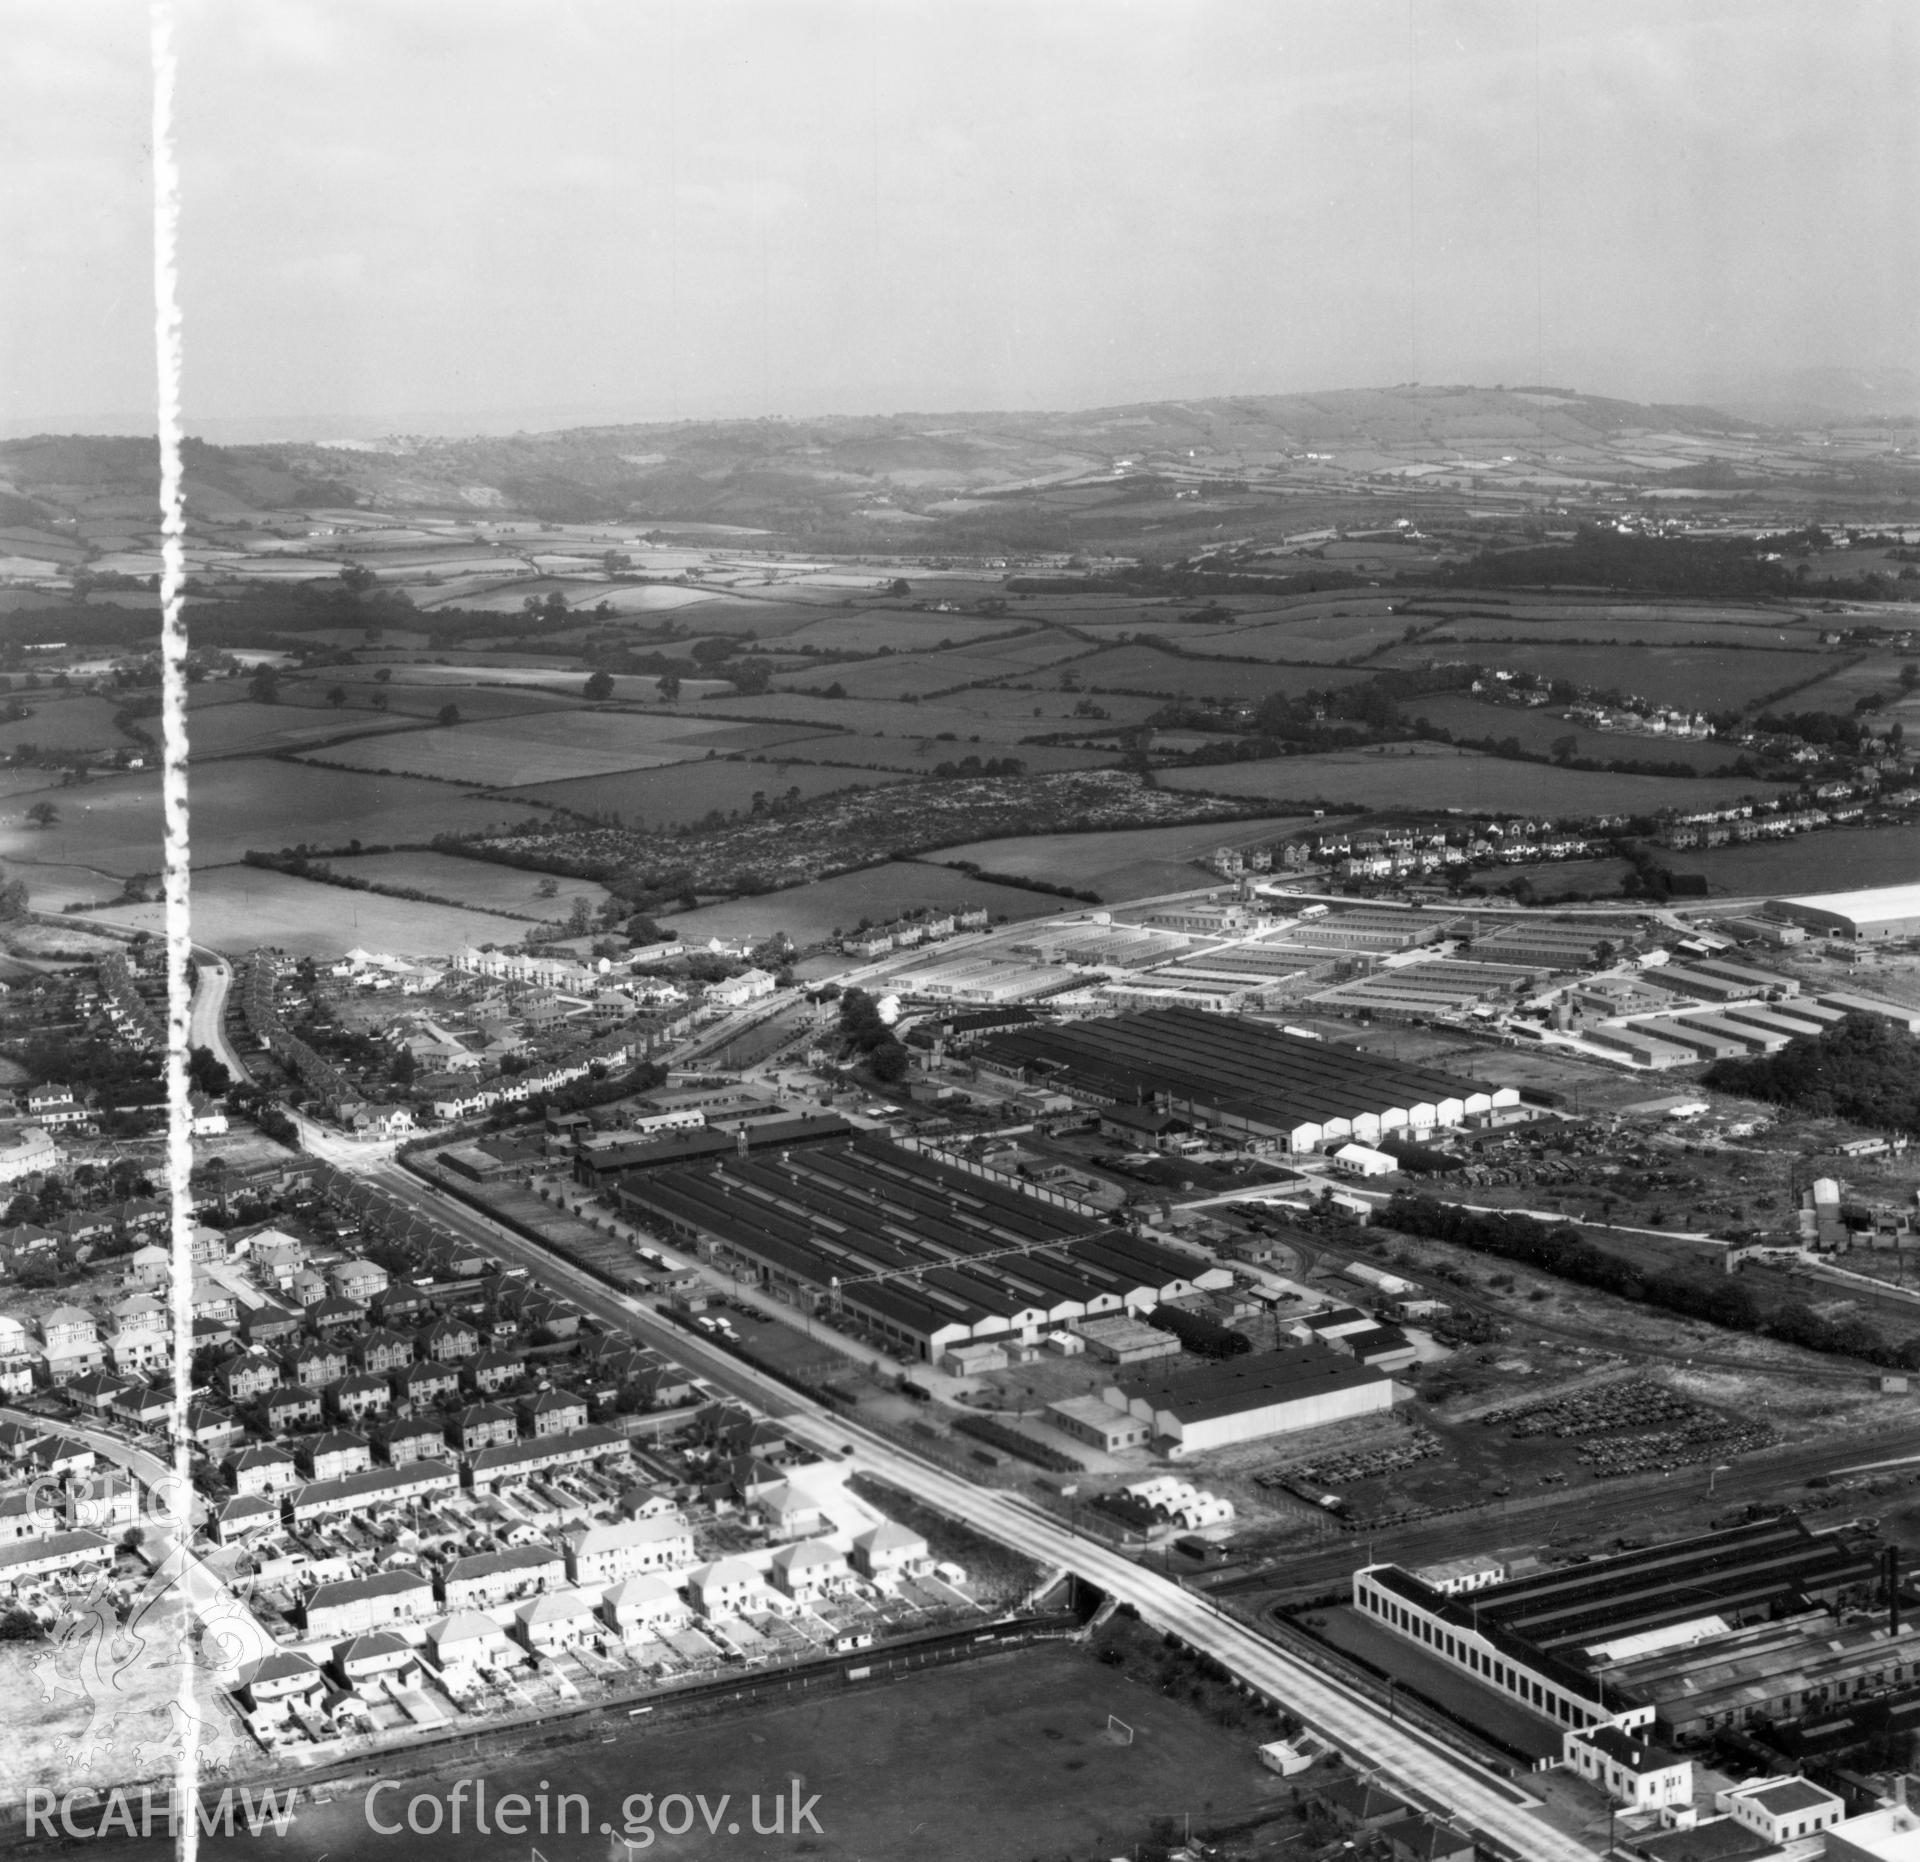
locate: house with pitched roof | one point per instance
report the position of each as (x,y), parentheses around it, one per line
(279,1681)
(289,1407)
(339,1451)
(71,1342)
(481,1580)
(449,1341)
(810,1570)
(644,1605)
(412,1438)
(483,1425)
(599,1554)
(466,1639)
(726,1587)
(262,1469)
(423,1384)
(558,1620)
(383,1350)
(315,1363)
(553,1412)
(358,1395)
(890,1551)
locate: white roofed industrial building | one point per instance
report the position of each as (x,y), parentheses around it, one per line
(1882,915)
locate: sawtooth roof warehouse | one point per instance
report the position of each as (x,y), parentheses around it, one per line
(929,1253)
(1268,1090)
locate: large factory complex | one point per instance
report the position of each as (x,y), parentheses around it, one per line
(1629,1668)
(931,1254)
(1250,1083)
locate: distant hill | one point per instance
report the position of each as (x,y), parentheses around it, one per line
(959,477)
(1823,397)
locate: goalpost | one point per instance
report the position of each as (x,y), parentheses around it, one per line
(1119,1729)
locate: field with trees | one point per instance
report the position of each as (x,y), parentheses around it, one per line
(811,913)
(1432,776)
(684,794)
(241,802)
(239,908)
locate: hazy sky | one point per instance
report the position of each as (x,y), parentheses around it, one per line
(471,211)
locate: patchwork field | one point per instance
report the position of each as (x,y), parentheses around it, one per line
(1469,718)
(238,908)
(683,793)
(500,671)
(918,675)
(243,802)
(921,755)
(903,632)
(552,747)
(1143,669)
(1432,776)
(1695,678)
(1124,863)
(476,883)
(999,714)
(247,729)
(1677,630)
(413,692)
(813,913)
(1875,676)
(57,723)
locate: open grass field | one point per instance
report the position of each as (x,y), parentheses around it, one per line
(902,675)
(84,723)
(1328,643)
(411,695)
(1035,703)
(1566,879)
(1142,669)
(1676,630)
(1430,777)
(1469,718)
(867,631)
(812,913)
(1279,646)
(1836,860)
(243,802)
(999,714)
(921,755)
(502,672)
(64,1735)
(1877,675)
(1695,678)
(552,746)
(237,908)
(1003,1758)
(247,729)
(1125,863)
(683,793)
(477,883)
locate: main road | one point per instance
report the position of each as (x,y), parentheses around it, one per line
(1446,1780)
(206,1025)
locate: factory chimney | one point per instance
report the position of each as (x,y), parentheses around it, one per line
(1893,1590)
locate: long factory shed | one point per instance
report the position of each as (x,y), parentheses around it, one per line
(1244,1078)
(929,1254)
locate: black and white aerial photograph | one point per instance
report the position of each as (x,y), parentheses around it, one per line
(960,931)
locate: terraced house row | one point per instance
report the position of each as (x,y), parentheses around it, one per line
(928,1254)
